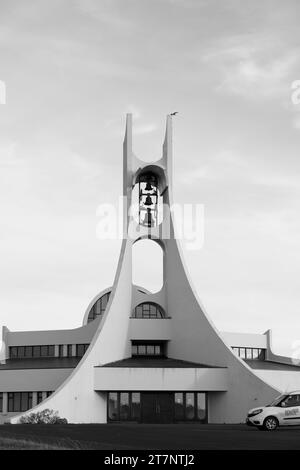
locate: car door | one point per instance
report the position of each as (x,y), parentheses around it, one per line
(291,410)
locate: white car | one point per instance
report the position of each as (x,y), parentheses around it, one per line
(283,411)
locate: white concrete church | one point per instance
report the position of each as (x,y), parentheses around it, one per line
(142,356)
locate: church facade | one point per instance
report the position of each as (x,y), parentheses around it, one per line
(143,356)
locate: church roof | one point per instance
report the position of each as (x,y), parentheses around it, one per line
(157,362)
(41,363)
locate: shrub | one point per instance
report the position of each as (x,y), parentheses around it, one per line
(43,417)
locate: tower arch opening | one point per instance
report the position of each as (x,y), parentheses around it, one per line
(147,265)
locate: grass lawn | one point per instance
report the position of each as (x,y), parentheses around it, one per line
(133,436)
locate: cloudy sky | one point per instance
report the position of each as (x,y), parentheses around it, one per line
(72,70)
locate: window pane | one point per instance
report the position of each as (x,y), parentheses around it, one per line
(254,353)
(157,350)
(21,351)
(141,349)
(242,353)
(28,351)
(201,406)
(104,302)
(24,401)
(249,353)
(179,406)
(124,406)
(150,349)
(134,350)
(39,397)
(17,401)
(10,402)
(29,400)
(80,350)
(138,312)
(36,351)
(113,406)
(136,406)
(1,402)
(261,355)
(190,406)
(44,351)
(69,350)
(13,352)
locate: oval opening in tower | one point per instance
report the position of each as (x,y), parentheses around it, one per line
(146,197)
(147,265)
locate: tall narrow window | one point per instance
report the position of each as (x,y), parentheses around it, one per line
(190,406)
(113,406)
(179,406)
(39,397)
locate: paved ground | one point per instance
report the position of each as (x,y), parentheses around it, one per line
(142,436)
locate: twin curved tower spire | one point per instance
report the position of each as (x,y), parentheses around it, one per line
(180,354)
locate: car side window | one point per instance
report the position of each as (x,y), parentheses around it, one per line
(292,400)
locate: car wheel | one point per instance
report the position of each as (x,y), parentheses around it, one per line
(270,423)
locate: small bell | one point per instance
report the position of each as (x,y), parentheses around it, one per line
(148,201)
(148,221)
(148,186)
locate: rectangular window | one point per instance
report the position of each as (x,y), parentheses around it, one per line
(150,350)
(261,354)
(28,351)
(124,406)
(69,350)
(135,406)
(1,402)
(201,406)
(44,351)
(249,353)
(190,406)
(36,351)
(147,349)
(113,406)
(13,352)
(81,349)
(14,401)
(21,351)
(254,353)
(19,401)
(61,350)
(39,397)
(179,406)
(10,401)
(242,353)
